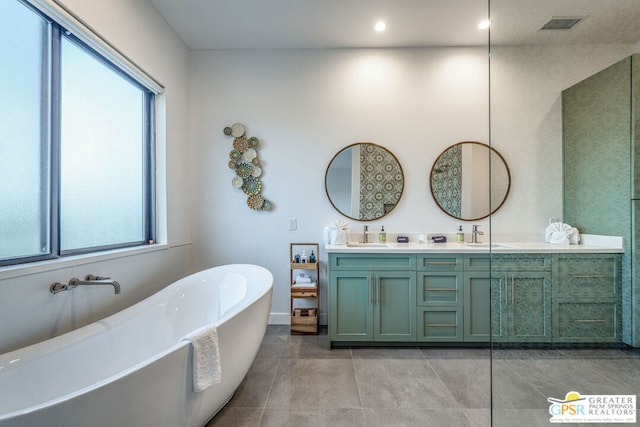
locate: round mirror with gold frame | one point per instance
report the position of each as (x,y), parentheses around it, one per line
(470,181)
(364,181)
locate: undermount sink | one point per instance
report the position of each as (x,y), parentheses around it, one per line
(489,245)
(367,245)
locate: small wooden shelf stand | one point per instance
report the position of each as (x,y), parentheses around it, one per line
(304,320)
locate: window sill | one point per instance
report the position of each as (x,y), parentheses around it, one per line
(18,270)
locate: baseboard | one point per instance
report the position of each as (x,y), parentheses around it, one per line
(279,319)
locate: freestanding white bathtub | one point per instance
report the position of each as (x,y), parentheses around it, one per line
(132,369)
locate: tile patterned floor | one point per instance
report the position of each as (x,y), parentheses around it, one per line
(299,381)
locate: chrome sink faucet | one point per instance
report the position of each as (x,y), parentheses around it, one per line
(365,234)
(475,233)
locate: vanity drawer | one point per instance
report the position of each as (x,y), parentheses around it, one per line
(439,288)
(439,324)
(340,261)
(440,262)
(509,262)
(477,262)
(587,321)
(586,277)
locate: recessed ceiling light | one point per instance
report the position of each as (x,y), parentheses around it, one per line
(380,26)
(483,25)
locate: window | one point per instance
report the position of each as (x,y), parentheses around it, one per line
(76,145)
(24,151)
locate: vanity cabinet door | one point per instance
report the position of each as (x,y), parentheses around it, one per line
(477,309)
(350,305)
(394,306)
(521,298)
(372,306)
(521,307)
(530,301)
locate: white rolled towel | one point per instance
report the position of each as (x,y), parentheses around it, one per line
(574,239)
(303,278)
(558,233)
(336,233)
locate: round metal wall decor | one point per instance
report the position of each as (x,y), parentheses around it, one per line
(245,162)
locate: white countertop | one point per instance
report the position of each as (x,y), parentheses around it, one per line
(589,244)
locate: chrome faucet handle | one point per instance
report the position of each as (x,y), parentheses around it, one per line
(57,287)
(92,277)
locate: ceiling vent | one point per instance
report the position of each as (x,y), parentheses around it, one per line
(561,23)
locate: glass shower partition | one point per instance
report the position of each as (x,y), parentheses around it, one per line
(563,111)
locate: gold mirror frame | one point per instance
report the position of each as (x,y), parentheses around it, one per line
(491,183)
(379,181)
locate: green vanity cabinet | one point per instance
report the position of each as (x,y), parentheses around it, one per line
(474,298)
(521,298)
(440,298)
(586,298)
(372,298)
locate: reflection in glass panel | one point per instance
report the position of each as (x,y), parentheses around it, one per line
(565,323)
(102,196)
(23,144)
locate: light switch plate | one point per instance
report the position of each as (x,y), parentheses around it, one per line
(293,224)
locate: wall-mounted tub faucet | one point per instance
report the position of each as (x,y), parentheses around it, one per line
(89,279)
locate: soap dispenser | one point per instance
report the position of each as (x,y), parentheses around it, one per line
(460,235)
(382,236)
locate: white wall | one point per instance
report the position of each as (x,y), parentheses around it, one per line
(305,105)
(28,312)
